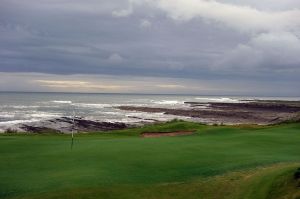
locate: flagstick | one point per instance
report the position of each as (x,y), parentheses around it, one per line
(73,130)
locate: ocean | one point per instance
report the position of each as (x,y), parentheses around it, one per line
(19,107)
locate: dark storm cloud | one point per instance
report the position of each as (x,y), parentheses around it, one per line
(62,38)
(194,39)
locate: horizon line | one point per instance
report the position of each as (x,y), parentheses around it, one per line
(181,94)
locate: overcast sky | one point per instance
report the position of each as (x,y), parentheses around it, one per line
(215,47)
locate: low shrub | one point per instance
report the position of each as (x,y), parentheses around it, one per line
(297,174)
(10,131)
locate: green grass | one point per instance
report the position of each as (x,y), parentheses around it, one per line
(215,162)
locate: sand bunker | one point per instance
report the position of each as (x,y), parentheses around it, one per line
(166,134)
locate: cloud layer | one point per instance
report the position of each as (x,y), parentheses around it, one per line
(241,18)
(190,40)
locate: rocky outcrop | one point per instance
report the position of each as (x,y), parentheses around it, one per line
(66,125)
(256,112)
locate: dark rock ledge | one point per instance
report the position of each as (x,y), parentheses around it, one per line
(66,125)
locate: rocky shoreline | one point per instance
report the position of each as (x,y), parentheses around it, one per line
(254,112)
(67,125)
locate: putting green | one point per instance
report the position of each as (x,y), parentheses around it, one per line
(123,165)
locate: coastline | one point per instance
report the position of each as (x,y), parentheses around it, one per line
(253,112)
(259,112)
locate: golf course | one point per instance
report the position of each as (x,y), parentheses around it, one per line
(213,162)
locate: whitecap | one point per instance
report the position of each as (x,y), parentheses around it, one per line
(45,115)
(167,102)
(112,113)
(219,99)
(7,115)
(86,105)
(19,106)
(12,122)
(61,102)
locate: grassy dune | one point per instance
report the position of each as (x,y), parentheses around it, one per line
(216,162)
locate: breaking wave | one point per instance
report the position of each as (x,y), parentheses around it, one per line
(219,99)
(62,102)
(167,102)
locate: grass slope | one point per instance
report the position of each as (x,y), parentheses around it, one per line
(263,183)
(215,162)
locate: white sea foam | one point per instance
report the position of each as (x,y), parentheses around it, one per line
(167,102)
(143,114)
(12,122)
(61,102)
(45,115)
(7,115)
(18,106)
(123,120)
(219,99)
(113,113)
(87,105)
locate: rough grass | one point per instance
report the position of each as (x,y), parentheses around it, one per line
(215,162)
(274,182)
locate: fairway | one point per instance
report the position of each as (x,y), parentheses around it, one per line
(121,164)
